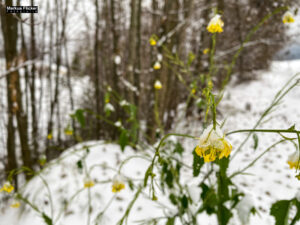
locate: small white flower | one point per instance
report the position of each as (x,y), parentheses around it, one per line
(117,60)
(109,107)
(159,57)
(118,124)
(124,103)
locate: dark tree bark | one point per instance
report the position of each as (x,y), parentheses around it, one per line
(10,34)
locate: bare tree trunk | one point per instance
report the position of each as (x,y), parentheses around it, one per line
(10,34)
(115,41)
(132,46)
(32,89)
(96,63)
(138,71)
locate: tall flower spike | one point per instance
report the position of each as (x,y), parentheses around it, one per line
(117,184)
(288,17)
(293,160)
(215,25)
(213,144)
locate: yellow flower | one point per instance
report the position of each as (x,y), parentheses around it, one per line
(15,204)
(157,65)
(293,160)
(68,132)
(288,17)
(118,184)
(213,144)
(215,25)
(7,187)
(49,136)
(152,41)
(157,85)
(193,91)
(88,184)
(205,51)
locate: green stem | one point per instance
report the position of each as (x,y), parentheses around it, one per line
(257,158)
(264,131)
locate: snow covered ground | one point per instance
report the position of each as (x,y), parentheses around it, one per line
(269,180)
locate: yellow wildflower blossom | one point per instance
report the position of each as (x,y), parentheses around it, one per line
(157,65)
(193,91)
(205,51)
(157,85)
(68,132)
(50,136)
(288,17)
(118,184)
(7,187)
(213,144)
(15,204)
(88,184)
(152,41)
(215,25)
(293,160)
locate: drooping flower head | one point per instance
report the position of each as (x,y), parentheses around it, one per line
(15,204)
(89,183)
(288,17)
(215,25)
(117,184)
(157,85)
(293,160)
(152,41)
(205,51)
(213,144)
(157,65)
(7,187)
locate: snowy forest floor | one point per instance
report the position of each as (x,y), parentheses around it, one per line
(269,180)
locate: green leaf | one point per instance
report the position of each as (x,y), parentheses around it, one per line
(255,139)
(209,198)
(47,219)
(79,116)
(297,216)
(224,215)
(184,202)
(169,179)
(173,199)
(292,128)
(171,221)
(280,210)
(191,58)
(147,174)
(178,148)
(198,162)
(123,140)
(79,165)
